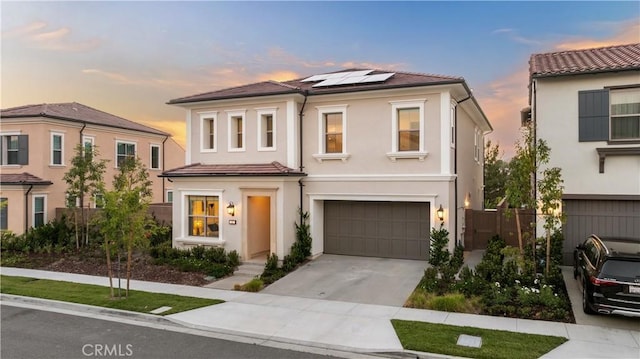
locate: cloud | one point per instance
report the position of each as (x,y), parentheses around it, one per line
(626,32)
(36,35)
(514,36)
(176,128)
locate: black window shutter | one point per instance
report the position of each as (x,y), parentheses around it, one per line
(593,115)
(23,149)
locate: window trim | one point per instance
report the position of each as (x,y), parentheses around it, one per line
(151,147)
(52,135)
(4,208)
(4,147)
(208,116)
(453,115)
(260,112)
(611,92)
(33,209)
(395,153)
(231,115)
(166,196)
(184,221)
(126,142)
(322,155)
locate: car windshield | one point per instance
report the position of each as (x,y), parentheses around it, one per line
(619,268)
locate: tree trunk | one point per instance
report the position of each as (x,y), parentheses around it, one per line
(75,221)
(129,257)
(519,230)
(109,268)
(546,269)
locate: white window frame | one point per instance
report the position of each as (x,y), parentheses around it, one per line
(33,209)
(322,155)
(4,207)
(151,147)
(452,114)
(135,149)
(94,200)
(407,104)
(204,134)
(260,113)
(184,214)
(232,115)
(612,93)
(51,152)
(169,193)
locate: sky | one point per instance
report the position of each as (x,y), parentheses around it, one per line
(130,58)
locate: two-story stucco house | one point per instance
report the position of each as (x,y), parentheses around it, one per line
(37,143)
(586,105)
(369,155)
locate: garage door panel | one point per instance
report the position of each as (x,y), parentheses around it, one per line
(379,229)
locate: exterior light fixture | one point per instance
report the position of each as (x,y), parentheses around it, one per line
(440,213)
(231,209)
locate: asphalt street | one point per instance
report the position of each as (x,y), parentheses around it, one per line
(30,333)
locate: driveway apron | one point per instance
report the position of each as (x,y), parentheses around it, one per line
(366,280)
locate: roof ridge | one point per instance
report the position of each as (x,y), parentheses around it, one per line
(282,84)
(591,49)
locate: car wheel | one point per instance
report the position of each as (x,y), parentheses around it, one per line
(585,304)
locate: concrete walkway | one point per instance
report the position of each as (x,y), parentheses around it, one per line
(353,327)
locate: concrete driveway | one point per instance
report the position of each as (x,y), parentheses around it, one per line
(364,280)
(607,321)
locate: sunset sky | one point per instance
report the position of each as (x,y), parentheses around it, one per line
(130,58)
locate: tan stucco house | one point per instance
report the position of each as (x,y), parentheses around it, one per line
(586,106)
(370,155)
(37,143)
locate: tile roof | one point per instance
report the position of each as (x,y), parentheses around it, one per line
(22,178)
(398,80)
(202,170)
(76,112)
(602,59)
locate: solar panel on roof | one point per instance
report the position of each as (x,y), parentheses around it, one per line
(378,77)
(336,75)
(347,78)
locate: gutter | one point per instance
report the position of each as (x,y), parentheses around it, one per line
(26,208)
(163,168)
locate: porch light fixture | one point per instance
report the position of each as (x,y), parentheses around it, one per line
(231,209)
(440,213)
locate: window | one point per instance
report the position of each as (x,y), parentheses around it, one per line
(73,201)
(4,214)
(236,130)
(452,118)
(57,147)
(475,144)
(98,200)
(266,129)
(208,131)
(124,150)
(625,114)
(169,196)
(478,145)
(407,124)
(332,129)
(89,143)
(14,149)
(203,216)
(408,129)
(155,157)
(39,210)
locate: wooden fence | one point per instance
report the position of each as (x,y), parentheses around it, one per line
(481,225)
(162,212)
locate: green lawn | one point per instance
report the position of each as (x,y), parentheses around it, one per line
(496,344)
(138,301)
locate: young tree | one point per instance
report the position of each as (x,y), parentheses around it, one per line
(550,194)
(125,213)
(85,177)
(495,175)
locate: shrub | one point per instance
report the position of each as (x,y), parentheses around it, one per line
(233,259)
(197,252)
(215,255)
(254,285)
(439,254)
(449,303)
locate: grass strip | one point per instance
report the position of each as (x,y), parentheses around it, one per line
(96,295)
(496,344)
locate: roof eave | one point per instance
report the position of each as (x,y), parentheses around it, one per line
(590,72)
(206,175)
(181,101)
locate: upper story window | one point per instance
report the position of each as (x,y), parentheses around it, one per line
(266,129)
(169,198)
(14,149)
(408,126)
(155,157)
(89,144)
(478,145)
(124,150)
(39,210)
(57,149)
(208,131)
(625,114)
(236,130)
(4,213)
(332,130)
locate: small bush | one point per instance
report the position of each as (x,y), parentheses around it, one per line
(215,255)
(449,303)
(439,254)
(254,285)
(233,259)
(197,252)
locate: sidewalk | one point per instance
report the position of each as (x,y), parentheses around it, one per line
(352,327)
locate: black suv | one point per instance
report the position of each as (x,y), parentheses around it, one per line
(608,270)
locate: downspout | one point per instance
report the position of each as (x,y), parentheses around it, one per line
(455,164)
(84,124)
(163,168)
(300,160)
(26,209)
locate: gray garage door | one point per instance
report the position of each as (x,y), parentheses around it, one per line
(377,229)
(613,218)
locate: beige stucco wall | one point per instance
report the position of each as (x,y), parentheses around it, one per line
(40,130)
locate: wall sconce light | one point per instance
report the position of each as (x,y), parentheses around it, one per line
(231,209)
(467,200)
(440,213)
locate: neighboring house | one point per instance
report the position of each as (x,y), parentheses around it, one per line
(370,155)
(586,105)
(37,143)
